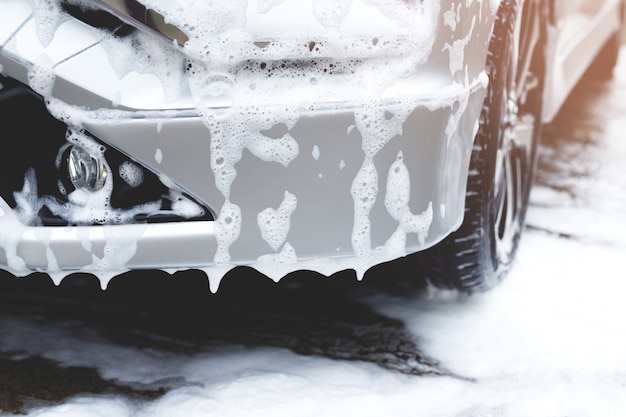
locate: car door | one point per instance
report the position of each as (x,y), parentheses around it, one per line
(581,28)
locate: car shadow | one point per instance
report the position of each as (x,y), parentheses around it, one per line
(305,312)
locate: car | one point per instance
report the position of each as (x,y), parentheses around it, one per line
(284,135)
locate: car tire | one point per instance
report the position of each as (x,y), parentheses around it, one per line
(480,252)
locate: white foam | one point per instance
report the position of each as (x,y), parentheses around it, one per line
(49,17)
(281,261)
(330,13)
(316,152)
(41,76)
(397,203)
(275,224)
(450,18)
(131,174)
(12,231)
(456,49)
(227,229)
(27,201)
(377,126)
(264,6)
(148,57)
(120,247)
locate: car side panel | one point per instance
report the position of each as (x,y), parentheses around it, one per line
(582,28)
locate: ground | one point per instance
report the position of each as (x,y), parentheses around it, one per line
(548,341)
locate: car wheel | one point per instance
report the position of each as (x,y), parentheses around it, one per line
(478,254)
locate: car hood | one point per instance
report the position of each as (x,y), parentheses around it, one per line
(283,29)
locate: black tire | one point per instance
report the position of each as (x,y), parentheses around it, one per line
(477,256)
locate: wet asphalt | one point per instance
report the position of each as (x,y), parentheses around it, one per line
(307,313)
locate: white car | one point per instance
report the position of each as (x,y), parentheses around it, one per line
(281,134)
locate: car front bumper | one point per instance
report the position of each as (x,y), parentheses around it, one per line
(315,191)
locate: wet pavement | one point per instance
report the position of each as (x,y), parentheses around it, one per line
(305,313)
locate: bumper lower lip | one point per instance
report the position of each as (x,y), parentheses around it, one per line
(110,248)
